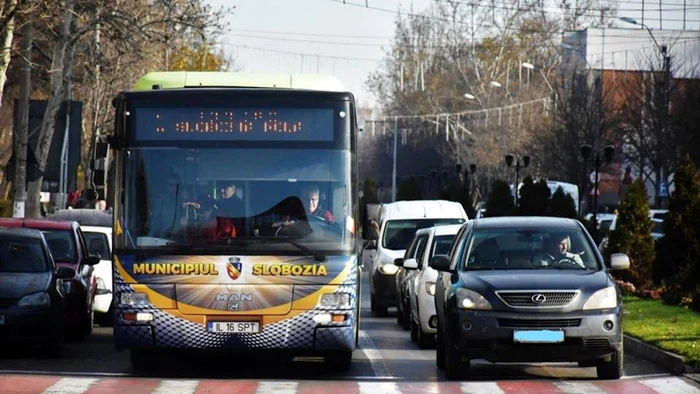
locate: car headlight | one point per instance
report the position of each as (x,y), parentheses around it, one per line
(335,300)
(387,268)
(430,288)
(467,299)
(134,299)
(602,299)
(35,300)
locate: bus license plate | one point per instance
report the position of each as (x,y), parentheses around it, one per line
(248,327)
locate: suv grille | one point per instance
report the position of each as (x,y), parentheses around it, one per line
(537,299)
(7,302)
(530,323)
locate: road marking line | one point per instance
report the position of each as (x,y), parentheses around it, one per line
(378,388)
(481,388)
(648,376)
(277,388)
(70,386)
(373,355)
(59,373)
(578,388)
(670,386)
(176,387)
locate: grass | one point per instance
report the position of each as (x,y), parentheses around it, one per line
(671,328)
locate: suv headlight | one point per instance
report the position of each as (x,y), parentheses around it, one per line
(134,299)
(430,288)
(335,300)
(387,268)
(35,300)
(602,299)
(467,299)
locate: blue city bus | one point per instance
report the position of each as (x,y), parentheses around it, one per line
(213,177)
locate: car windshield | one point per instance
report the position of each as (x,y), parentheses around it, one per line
(98,245)
(61,245)
(658,227)
(518,248)
(441,244)
(22,255)
(399,233)
(234,197)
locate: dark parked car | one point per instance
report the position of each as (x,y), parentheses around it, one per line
(31,304)
(68,249)
(528,289)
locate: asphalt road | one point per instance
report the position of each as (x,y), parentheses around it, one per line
(387,362)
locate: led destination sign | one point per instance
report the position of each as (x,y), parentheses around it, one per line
(233,124)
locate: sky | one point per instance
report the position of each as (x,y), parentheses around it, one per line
(345,39)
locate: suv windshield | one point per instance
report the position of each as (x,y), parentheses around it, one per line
(399,233)
(518,248)
(22,255)
(61,245)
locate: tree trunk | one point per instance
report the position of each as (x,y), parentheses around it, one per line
(9,9)
(21,141)
(60,68)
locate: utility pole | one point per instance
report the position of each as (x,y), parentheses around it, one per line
(393,172)
(666,117)
(22,141)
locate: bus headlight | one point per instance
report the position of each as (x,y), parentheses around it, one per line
(335,300)
(430,288)
(134,299)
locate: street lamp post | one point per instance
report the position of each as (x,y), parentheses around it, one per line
(518,166)
(472,184)
(586,152)
(665,121)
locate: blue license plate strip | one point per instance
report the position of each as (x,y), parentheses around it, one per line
(540,336)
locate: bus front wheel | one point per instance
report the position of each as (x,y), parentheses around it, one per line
(339,361)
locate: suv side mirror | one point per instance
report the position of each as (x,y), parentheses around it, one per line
(440,262)
(619,262)
(399,262)
(65,273)
(410,264)
(92,260)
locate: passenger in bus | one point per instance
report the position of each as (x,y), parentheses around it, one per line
(230,205)
(314,207)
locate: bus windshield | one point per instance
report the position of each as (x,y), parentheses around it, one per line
(254,198)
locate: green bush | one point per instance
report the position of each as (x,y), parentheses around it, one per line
(534,198)
(632,235)
(562,205)
(500,200)
(677,264)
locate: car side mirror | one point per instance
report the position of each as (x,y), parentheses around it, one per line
(398,262)
(372,234)
(98,255)
(440,262)
(371,245)
(619,262)
(92,260)
(410,264)
(65,273)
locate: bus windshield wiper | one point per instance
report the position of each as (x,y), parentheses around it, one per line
(311,252)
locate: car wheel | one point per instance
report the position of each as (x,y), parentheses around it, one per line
(54,348)
(339,361)
(425,341)
(106,319)
(404,317)
(587,363)
(611,368)
(439,349)
(380,310)
(455,366)
(88,323)
(371,303)
(414,330)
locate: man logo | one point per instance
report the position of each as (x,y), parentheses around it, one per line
(234,267)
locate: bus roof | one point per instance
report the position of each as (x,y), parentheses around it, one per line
(184,79)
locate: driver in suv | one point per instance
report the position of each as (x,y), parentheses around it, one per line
(557,248)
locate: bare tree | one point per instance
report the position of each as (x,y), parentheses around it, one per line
(126,26)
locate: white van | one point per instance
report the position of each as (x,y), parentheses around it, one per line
(397,224)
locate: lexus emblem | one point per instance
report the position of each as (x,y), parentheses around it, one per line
(539,298)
